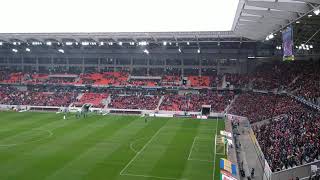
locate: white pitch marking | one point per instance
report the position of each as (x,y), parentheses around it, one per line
(214,155)
(133,142)
(138,153)
(50,133)
(147,176)
(194,140)
(203,129)
(202,160)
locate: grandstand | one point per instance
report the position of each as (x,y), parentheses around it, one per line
(234,93)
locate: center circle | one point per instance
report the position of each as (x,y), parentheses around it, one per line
(10,138)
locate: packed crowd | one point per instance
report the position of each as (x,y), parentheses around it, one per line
(259,106)
(13,96)
(307,84)
(238,80)
(194,102)
(292,140)
(287,140)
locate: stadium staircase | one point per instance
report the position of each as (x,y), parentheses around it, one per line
(294,80)
(304,101)
(230,105)
(224,81)
(266,121)
(77,98)
(80,96)
(106,101)
(160,102)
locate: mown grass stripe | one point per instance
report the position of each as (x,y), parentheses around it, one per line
(9,132)
(172,162)
(109,142)
(61,138)
(119,158)
(99,148)
(56,158)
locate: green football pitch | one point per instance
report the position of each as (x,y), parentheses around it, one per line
(43,146)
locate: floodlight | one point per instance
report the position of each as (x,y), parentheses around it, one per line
(1,43)
(85,43)
(316,11)
(298,22)
(179,50)
(120,43)
(48,43)
(36,43)
(14,50)
(146,51)
(132,43)
(61,50)
(271,36)
(143,43)
(69,43)
(198,50)
(310,15)
(164,43)
(188,43)
(311,46)
(28,49)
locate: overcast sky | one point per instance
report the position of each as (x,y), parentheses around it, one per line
(31,16)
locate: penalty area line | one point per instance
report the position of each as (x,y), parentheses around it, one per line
(139,152)
(194,140)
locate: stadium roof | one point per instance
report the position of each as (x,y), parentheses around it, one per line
(253,19)
(259,18)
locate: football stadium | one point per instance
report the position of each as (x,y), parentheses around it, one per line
(160,90)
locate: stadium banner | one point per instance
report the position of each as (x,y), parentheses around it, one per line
(228,166)
(226,176)
(225,133)
(202,117)
(287,44)
(160,115)
(232,117)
